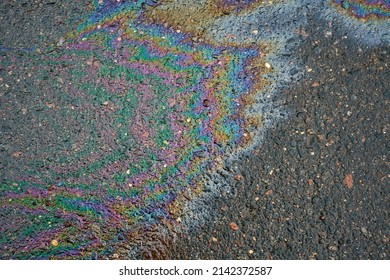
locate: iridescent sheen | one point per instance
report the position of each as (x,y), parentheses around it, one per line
(150,110)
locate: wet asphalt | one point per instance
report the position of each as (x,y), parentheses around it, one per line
(317,186)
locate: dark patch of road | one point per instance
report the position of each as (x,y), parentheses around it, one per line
(28,24)
(317,187)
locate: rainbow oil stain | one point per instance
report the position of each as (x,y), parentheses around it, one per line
(366,8)
(127,114)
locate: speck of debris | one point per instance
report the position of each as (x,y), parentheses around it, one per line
(348,181)
(233,226)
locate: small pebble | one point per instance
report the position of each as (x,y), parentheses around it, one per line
(233,226)
(95,63)
(224,208)
(269,192)
(333,248)
(348,181)
(115,256)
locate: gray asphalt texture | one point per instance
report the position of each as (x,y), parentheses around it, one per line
(291,199)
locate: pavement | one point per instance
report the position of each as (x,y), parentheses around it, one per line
(311,182)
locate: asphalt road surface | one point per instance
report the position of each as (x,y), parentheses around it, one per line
(315,183)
